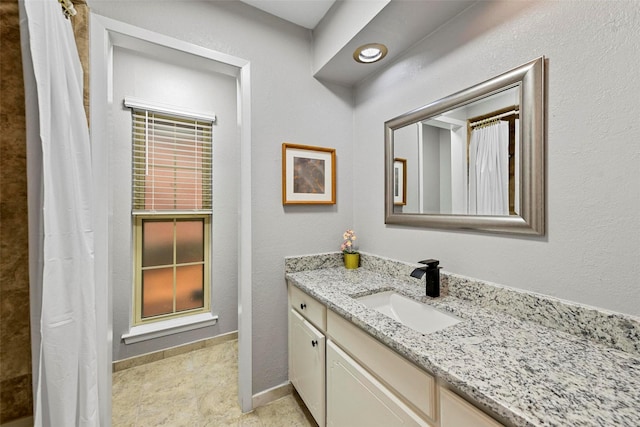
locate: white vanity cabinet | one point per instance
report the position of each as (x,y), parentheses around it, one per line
(457,412)
(413,385)
(356,398)
(307,351)
(312,310)
(307,364)
(347,378)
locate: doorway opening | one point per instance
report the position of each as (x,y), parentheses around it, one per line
(111,42)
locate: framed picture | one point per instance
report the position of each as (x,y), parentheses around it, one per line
(399,181)
(308,175)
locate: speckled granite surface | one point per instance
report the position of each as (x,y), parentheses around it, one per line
(508,354)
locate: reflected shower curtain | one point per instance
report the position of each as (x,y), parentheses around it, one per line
(489,170)
(60,222)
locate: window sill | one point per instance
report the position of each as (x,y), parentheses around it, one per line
(169,327)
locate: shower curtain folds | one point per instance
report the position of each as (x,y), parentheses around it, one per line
(63,314)
(489,170)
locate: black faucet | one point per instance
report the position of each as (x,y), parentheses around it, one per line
(432,272)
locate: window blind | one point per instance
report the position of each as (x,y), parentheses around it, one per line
(172,161)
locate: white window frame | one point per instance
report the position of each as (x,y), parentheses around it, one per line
(151,327)
(138,219)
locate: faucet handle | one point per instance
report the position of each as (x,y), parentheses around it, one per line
(432,263)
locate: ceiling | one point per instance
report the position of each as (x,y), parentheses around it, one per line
(398,24)
(306,13)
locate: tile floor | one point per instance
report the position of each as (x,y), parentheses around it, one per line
(195,389)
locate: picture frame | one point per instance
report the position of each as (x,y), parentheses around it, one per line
(308,175)
(399,181)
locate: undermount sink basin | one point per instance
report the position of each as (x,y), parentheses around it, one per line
(420,317)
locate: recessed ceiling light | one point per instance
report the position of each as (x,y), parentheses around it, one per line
(371,52)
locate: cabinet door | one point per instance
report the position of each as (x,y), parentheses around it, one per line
(355,398)
(457,412)
(399,375)
(307,364)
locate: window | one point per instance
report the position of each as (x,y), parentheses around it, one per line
(172,209)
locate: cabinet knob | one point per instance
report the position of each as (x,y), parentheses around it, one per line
(303,306)
(314,343)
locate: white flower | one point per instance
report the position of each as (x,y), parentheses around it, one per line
(349,237)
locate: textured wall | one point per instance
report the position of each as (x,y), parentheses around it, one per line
(15,339)
(288,105)
(591,252)
(179,83)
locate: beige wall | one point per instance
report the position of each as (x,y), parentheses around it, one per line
(15,342)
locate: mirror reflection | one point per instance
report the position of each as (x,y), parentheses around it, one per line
(464,161)
(472,160)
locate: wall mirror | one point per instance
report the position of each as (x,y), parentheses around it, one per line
(473,160)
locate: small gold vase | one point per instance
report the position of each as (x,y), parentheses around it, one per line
(351,261)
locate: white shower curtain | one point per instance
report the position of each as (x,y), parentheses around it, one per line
(489,170)
(61,236)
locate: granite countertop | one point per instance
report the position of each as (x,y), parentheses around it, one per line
(525,373)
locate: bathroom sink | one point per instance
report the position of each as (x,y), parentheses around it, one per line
(420,317)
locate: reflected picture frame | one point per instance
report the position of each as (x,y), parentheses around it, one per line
(399,181)
(308,175)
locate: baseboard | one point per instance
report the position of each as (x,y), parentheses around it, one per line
(265,397)
(22,422)
(143,359)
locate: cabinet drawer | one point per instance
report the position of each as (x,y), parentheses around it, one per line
(416,386)
(457,412)
(312,310)
(356,398)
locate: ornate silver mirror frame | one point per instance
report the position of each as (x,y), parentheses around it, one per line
(530,219)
